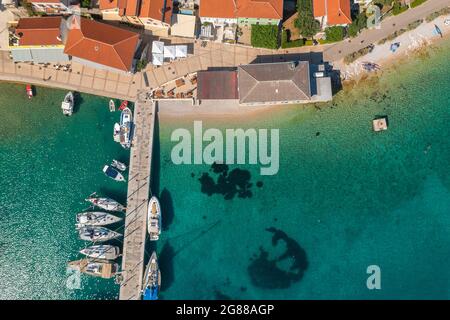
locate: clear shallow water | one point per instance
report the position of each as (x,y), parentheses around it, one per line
(344,199)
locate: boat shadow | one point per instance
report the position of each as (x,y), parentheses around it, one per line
(78,100)
(167,208)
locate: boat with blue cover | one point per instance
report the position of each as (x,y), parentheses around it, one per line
(152,279)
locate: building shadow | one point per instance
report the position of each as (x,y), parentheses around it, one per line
(156,157)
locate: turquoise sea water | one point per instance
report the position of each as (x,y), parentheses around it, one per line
(343,199)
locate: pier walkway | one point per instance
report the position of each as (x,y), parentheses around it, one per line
(137,201)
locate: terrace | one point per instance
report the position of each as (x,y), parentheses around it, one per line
(181,88)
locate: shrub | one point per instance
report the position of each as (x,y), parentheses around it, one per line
(287,43)
(355,55)
(334,34)
(416,3)
(436,14)
(359,23)
(397,8)
(264,36)
(306,23)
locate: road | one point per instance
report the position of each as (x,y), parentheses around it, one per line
(390,25)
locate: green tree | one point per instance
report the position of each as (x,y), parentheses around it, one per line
(334,34)
(307,25)
(264,36)
(85,3)
(359,23)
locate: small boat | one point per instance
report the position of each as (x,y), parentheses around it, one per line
(97,234)
(107,204)
(67,104)
(103,251)
(113,173)
(96,219)
(103,269)
(29,91)
(152,279)
(123,105)
(438,30)
(118,165)
(395,46)
(112,105)
(116,134)
(154,219)
(125,128)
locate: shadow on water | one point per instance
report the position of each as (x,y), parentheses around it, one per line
(228,184)
(156,159)
(266,273)
(167,208)
(219,295)
(115,194)
(166,265)
(78,98)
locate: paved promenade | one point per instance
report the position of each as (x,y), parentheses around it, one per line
(137,201)
(82,78)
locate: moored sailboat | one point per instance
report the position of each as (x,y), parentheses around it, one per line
(96,218)
(107,204)
(103,251)
(152,279)
(97,234)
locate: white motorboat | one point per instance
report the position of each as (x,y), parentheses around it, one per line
(154,219)
(68,103)
(113,173)
(116,134)
(97,234)
(103,269)
(107,204)
(103,251)
(96,218)
(119,165)
(126,126)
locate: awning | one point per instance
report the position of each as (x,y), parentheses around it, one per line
(158,47)
(157,59)
(170,52)
(181,51)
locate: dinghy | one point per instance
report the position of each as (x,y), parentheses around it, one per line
(119,165)
(67,104)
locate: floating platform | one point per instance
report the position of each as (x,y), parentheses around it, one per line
(380,124)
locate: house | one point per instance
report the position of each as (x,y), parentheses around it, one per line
(102,46)
(51,6)
(242,12)
(218,12)
(332,12)
(214,85)
(282,83)
(39,40)
(154,15)
(266,12)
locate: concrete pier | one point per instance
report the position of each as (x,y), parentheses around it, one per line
(137,201)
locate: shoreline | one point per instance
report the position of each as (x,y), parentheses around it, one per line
(411,42)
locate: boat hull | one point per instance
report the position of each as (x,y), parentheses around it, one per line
(154,219)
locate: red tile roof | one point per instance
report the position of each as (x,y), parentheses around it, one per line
(112,4)
(45,1)
(217,85)
(218,8)
(160,10)
(132,8)
(265,9)
(337,11)
(39,31)
(103,44)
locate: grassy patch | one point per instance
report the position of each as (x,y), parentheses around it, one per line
(264,36)
(287,43)
(416,3)
(398,8)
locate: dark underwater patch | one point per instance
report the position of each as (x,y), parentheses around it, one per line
(266,273)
